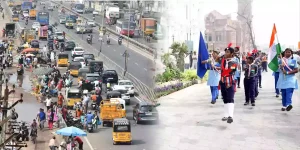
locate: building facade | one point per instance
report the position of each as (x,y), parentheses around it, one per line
(220,30)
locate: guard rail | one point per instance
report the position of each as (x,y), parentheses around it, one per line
(142,47)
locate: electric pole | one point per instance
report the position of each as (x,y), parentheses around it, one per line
(101,33)
(126,55)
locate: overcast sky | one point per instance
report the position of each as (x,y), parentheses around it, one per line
(284,13)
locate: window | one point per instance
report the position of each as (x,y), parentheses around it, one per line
(219,37)
(209,38)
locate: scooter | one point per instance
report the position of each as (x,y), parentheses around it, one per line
(89,40)
(90,127)
(26,22)
(108,41)
(94,106)
(56,45)
(120,41)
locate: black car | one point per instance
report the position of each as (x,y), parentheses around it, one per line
(110,76)
(93,77)
(70,45)
(145,112)
(88,57)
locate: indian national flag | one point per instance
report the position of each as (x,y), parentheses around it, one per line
(274,51)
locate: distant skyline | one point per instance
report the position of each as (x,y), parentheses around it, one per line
(285,14)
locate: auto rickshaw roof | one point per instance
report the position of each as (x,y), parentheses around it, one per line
(63,54)
(74,90)
(121,121)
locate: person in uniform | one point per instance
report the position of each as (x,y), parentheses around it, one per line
(258,61)
(287,80)
(214,75)
(276,76)
(251,71)
(264,63)
(228,69)
(238,70)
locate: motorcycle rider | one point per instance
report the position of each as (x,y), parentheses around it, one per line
(33,126)
(62,46)
(26,20)
(108,38)
(89,118)
(89,38)
(24,130)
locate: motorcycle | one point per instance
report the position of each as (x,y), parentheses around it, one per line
(94,106)
(120,41)
(56,45)
(89,40)
(26,22)
(108,41)
(90,127)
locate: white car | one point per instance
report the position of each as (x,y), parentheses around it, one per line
(124,93)
(81,60)
(91,23)
(80,29)
(26,14)
(36,25)
(95,12)
(43,3)
(59,36)
(62,19)
(128,85)
(77,51)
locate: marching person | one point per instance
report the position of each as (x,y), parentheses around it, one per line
(258,63)
(251,71)
(254,55)
(214,75)
(264,63)
(287,80)
(238,70)
(276,76)
(228,69)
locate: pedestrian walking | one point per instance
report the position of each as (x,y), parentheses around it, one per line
(251,71)
(195,58)
(50,118)
(238,70)
(53,143)
(41,117)
(48,102)
(287,80)
(45,51)
(228,69)
(60,100)
(213,76)
(259,77)
(264,63)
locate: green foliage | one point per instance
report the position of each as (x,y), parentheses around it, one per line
(168,75)
(190,75)
(179,51)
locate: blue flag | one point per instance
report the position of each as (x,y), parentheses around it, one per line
(202,55)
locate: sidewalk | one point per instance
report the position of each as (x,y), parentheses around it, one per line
(190,122)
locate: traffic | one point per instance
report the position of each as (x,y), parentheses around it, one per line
(62,47)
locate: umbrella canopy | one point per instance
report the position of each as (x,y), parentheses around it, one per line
(71,131)
(42,71)
(28,50)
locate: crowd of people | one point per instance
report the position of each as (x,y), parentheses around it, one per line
(225,72)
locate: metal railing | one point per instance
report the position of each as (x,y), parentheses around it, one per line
(141,46)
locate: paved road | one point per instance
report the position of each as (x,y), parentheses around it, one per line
(103,137)
(138,65)
(98,19)
(192,123)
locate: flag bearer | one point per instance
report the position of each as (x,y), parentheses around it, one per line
(214,75)
(251,71)
(238,70)
(228,69)
(287,80)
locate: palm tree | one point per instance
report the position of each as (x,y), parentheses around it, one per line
(179,51)
(166,60)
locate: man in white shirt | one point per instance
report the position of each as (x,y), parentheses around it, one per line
(85,102)
(48,102)
(45,51)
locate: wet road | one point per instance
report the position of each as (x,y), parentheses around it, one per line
(99,19)
(102,138)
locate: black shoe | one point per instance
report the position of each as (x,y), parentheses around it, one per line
(283,109)
(239,87)
(277,95)
(217,97)
(290,107)
(252,104)
(213,102)
(229,120)
(224,119)
(246,103)
(260,87)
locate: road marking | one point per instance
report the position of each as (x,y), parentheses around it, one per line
(136,64)
(145,69)
(89,144)
(137,99)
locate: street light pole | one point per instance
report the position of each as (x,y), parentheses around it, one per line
(126,55)
(101,33)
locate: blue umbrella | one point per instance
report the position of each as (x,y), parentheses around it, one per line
(71,131)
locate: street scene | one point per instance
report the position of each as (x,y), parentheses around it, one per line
(42,29)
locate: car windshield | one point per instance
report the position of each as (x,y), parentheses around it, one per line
(147,108)
(78,49)
(93,78)
(58,33)
(89,56)
(120,128)
(125,83)
(79,59)
(74,95)
(110,72)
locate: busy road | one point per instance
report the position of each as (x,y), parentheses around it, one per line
(142,135)
(99,18)
(139,66)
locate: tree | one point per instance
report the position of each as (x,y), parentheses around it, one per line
(166,60)
(179,51)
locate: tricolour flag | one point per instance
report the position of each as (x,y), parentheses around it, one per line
(274,51)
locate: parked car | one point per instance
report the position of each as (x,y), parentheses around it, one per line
(77,51)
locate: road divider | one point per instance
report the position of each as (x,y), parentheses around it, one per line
(141,46)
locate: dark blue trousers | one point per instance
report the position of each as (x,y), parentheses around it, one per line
(214,93)
(256,86)
(287,95)
(276,75)
(249,85)
(227,93)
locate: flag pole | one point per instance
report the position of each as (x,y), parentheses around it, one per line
(282,61)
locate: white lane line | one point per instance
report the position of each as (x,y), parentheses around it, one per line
(88,143)
(136,64)
(137,99)
(145,69)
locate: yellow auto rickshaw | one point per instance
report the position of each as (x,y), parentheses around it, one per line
(11,3)
(73,96)
(15,17)
(82,72)
(74,68)
(121,131)
(62,59)
(102,30)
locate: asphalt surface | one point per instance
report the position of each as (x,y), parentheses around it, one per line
(195,124)
(98,19)
(102,138)
(139,66)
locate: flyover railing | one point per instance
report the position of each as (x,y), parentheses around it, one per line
(141,46)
